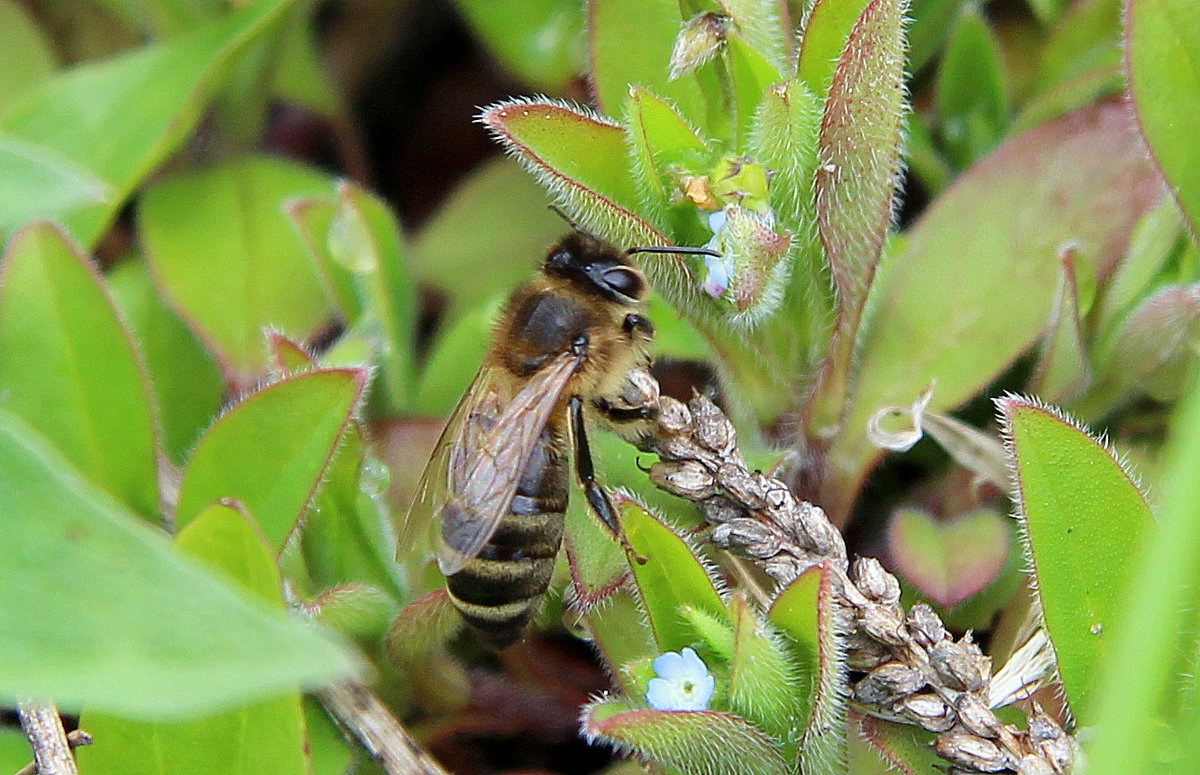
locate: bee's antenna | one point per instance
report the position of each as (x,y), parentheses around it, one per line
(685,251)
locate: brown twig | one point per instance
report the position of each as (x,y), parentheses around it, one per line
(915,672)
(51,744)
(362,714)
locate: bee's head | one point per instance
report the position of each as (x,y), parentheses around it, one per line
(596,267)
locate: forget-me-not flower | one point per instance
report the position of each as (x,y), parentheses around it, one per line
(683,682)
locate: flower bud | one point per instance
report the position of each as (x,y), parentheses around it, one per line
(699,42)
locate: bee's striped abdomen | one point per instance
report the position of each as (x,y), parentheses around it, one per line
(501,589)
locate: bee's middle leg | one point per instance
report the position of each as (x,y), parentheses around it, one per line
(597,498)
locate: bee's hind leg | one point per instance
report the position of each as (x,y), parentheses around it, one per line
(597,498)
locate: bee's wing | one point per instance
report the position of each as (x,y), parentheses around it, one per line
(445,471)
(493,470)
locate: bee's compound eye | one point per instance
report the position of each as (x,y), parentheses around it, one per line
(625,281)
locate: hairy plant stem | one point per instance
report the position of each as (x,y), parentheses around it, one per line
(362,715)
(912,670)
(51,744)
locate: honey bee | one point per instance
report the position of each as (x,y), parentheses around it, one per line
(496,486)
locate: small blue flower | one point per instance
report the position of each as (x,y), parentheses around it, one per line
(683,682)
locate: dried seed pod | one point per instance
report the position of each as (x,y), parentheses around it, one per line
(712,429)
(928,710)
(973,752)
(926,626)
(685,478)
(875,582)
(976,716)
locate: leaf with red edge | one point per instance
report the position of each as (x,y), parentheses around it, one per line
(948,561)
(581,158)
(1162,59)
(271,451)
(422,627)
(1085,519)
(287,356)
(906,747)
(859,164)
(695,742)
(69,366)
(826,29)
(959,304)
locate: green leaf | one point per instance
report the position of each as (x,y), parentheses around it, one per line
(661,144)
(580,158)
(539,41)
(1159,605)
(69,367)
(454,360)
(347,537)
(226,257)
(619,632)
(1151,245)
(365,239)
(823,40)
(764,27)
(616,65)
(932,21)
(1063,368)
(694,742)
(807,614)
(763,679)
(270,452)
(188,387)
(784,140)
(948,560)
(331,752)
(972,102)
(312,219)
(26,54)
(119,119)
(474,232)
(670,577)
(1163,61)
(859,149)
(301,77)
(262,737)
(1085,519)
(1079,63)
(993,285)
(37,183)
(99,609)
(15,751)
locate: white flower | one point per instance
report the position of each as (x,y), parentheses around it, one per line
(683,682)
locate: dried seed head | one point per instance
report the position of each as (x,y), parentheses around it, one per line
(1033,765)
